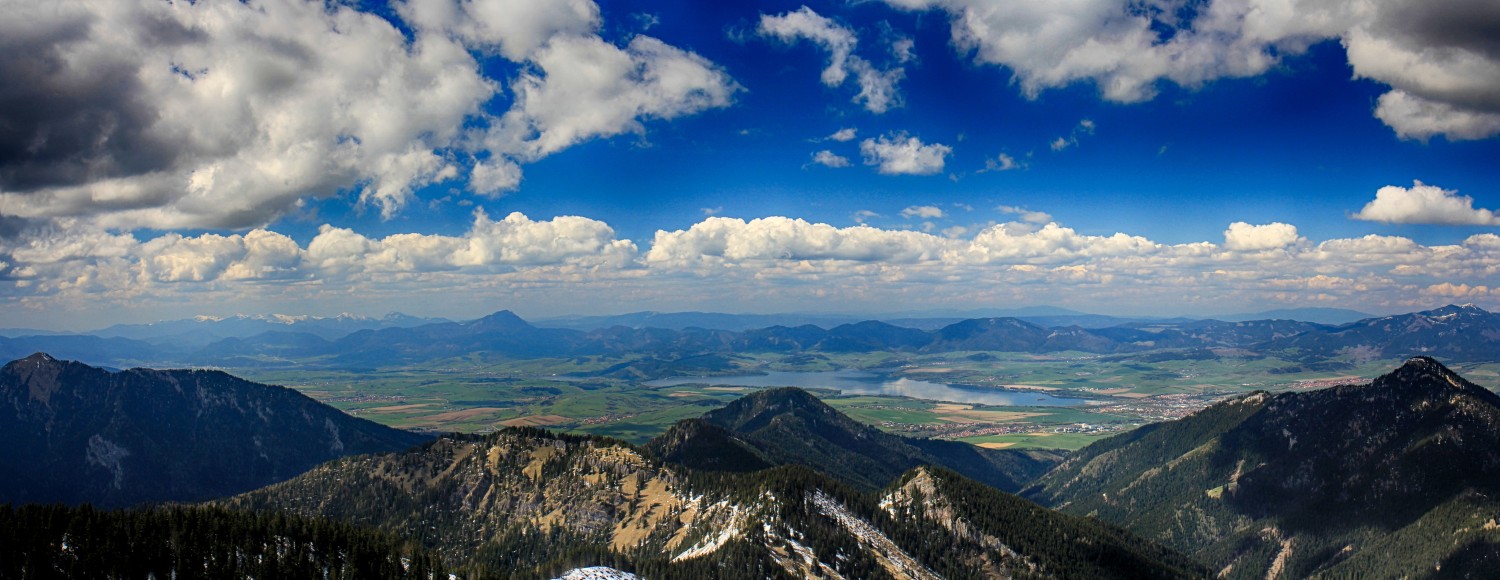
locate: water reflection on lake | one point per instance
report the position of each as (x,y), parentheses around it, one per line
(867,383)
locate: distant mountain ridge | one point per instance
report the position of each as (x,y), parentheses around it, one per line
(201,330)
(75,433)
(1460,333)
(1400,477)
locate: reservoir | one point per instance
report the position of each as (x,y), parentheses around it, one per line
(868,383)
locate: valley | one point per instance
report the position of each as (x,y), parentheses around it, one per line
(1102,394)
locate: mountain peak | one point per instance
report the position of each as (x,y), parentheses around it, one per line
(38,358)
(35,362)
(502,320)
(1419,367)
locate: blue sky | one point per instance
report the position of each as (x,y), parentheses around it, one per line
(1156,157)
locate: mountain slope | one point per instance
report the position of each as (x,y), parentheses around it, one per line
(1461,333)
(789,426)
(75,433)
(1320,482)
(527,503)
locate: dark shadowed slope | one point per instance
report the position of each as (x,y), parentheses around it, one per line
(75,433)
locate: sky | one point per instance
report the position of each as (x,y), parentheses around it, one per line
(161,160)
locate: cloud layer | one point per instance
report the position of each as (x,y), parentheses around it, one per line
(770,262)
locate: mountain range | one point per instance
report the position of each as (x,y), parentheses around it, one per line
(1396,478)
(1462,333)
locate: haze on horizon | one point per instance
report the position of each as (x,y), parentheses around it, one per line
(160,160)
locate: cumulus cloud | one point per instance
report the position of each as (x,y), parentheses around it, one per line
(778,238)
(830,159)
(99,267)
(878,90)
(923,211)
(582,87)
(1425,204)
(145,114)
(514,241)
(901,154)
(1439,58)
(1242,236)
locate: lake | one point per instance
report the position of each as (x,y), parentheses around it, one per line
(868,383)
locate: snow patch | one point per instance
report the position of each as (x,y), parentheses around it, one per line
(596,573)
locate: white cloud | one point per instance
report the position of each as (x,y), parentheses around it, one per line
(778,238)
(1414,117)
(844,135)
(146,114)
(804,23)
(513,28)
(923,211)
(1451,290)
(1026,215)
(513,241)
(259,254)
(904,50)
(878,90)
(771,262)
(222,114)
(583,88)
(1242,236)
(900,154)
(1437,56)
(830,159)
(1425,204)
